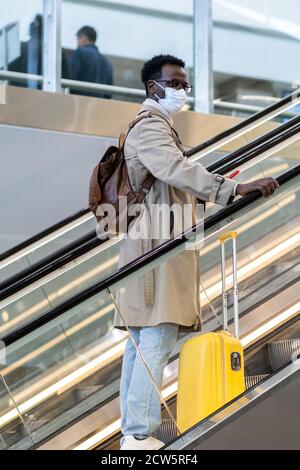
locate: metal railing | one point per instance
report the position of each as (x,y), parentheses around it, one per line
(67,84)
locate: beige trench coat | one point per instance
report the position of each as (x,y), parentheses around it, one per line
(170,292)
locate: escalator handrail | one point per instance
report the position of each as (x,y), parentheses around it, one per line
(255,145)
(39,236)
(78,248)
(141,262)
(283,103)
(246,122)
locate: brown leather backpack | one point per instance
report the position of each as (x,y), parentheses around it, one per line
(110,181)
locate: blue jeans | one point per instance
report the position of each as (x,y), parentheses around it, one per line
(139,400)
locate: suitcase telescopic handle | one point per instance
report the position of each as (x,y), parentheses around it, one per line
(223,238)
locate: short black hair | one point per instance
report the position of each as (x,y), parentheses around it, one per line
(89,32)
(36,26)
(152,68)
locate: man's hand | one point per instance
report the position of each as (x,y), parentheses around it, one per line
(266,186)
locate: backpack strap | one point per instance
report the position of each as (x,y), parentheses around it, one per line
(150,180)
(123,137)
(142,115)
(148,183)
(168,122)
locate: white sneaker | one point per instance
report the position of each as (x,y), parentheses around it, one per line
(150,443)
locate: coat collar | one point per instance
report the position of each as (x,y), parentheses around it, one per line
(147,106)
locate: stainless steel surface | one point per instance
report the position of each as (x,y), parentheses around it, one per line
(134,92)
(20,77)
(224,291)
(95,116)
(253,380)
(166,432)
(280,352)
(235,291)
(52,55)
(118,90)
(203,56)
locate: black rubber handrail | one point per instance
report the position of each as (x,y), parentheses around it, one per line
(78,248)
(214,140)
(255,145)
(141,262)
(43,234)
(247,122)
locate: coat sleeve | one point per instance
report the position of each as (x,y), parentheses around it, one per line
(159,153)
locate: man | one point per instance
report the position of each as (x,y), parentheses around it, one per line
(157,304)
(88,64)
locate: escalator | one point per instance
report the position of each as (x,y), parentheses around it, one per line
(59,388)
(266,417)
(271,352)
(49,282)
(272,366)
(95,322)
(62,236)
(279,432)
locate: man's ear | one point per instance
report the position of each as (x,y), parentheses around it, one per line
(151,87)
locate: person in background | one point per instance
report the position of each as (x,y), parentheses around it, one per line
(31,58)
(34,49)
(88,64)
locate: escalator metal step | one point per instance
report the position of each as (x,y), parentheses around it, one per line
(279,354)
(253,380)
(167,430)
(282,352)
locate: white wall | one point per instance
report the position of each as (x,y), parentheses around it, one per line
(266,58)
(130,34)
(21,10)
(275,14)
(140,36)
(280,15)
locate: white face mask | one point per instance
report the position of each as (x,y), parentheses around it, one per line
(174,100)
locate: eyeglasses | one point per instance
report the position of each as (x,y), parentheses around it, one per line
(178,84)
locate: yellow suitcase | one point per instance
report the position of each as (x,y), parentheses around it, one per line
(211,366)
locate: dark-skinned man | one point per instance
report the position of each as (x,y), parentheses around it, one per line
(160,303)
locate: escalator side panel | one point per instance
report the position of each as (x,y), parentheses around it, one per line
(269,422)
